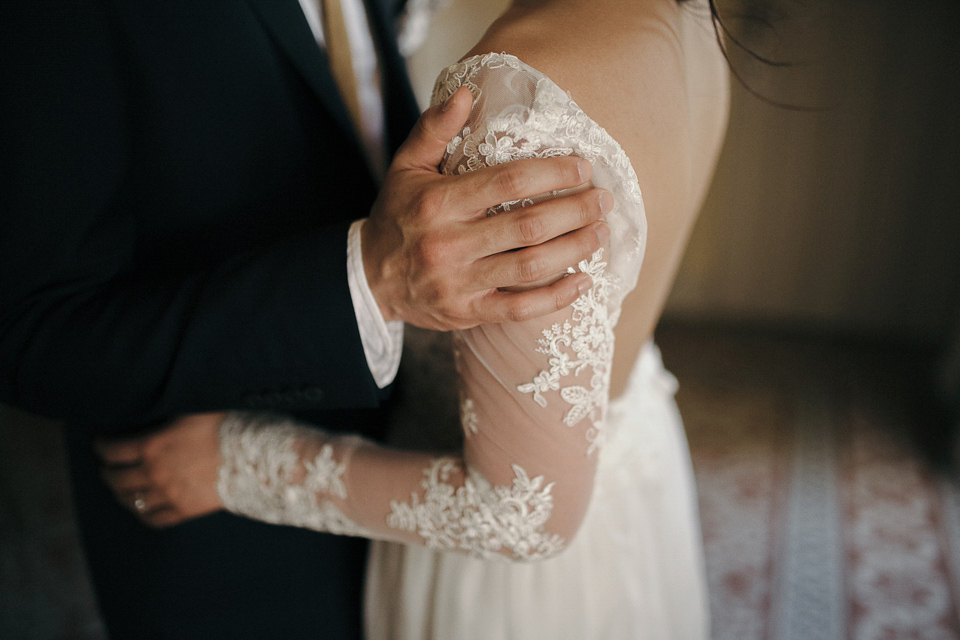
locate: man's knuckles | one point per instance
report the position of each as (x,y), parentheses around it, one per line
(513,181)
(520,309)
(531,228)
(435,255)
(531,268)
(429,204)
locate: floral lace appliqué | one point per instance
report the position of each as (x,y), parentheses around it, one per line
(478,518)
(536,119)
(468,417)
(553,125)
(261,476)
(583,344)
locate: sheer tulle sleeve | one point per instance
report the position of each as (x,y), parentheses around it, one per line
(533,395)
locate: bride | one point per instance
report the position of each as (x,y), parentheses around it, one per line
(565,513)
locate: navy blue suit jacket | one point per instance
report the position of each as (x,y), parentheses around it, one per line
(176,182)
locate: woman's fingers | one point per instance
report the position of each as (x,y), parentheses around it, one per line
(168,476)
(136,490)
(126,480)
(163,517)
(145,501)
(120,453)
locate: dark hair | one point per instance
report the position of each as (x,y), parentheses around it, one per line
(755,12)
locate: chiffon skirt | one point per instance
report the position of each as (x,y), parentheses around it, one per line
(634,571)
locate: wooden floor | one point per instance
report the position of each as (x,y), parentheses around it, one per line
(823,512)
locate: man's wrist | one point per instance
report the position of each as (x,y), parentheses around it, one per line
(372,270)
(382,339)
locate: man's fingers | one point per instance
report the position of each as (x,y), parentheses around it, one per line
(534,264)
(488,187)
(542,222)
(504,306)
(426,144)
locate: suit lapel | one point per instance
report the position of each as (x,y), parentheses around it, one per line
(284,20)
(400,104)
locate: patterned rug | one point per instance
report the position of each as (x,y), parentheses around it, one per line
(821,518)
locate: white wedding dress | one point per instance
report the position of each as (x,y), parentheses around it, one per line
(562,514)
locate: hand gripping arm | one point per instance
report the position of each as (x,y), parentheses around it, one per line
(533,394)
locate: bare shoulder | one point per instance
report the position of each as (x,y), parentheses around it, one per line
(651,73)
(629,64)
(618,59)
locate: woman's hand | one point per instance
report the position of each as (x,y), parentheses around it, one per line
(170,475)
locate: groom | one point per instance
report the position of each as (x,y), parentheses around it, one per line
(179,182)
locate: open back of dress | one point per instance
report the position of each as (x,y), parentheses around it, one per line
(634,569)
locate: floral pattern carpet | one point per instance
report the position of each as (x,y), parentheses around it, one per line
(822,514)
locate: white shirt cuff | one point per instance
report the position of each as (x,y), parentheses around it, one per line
(382,341)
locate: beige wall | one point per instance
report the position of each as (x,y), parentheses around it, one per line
(849,216)
(846,217)
(453,31)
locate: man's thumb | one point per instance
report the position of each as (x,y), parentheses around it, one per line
(426,144)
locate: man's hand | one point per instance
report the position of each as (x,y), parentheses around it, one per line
(170,475)
(434,258)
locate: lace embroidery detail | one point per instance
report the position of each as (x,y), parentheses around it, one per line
(531,132)
(572,348)
(477,517)
(468,417)
(553,125)
(261,475)
(323,473)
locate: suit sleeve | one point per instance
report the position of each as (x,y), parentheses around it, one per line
(83,335)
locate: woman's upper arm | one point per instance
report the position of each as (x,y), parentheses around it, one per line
(534,394)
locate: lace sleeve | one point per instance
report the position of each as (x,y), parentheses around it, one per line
(533,395)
